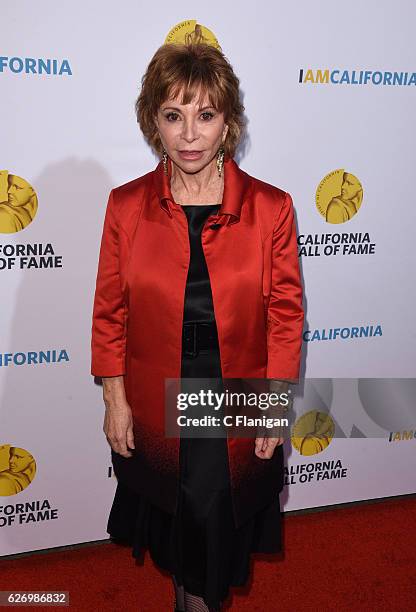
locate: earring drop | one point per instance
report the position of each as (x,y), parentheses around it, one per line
(220,160)
(165,162)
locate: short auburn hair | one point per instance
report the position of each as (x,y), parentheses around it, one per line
(190,70)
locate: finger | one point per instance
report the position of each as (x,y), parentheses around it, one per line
(264,454)
(114,444)
(123,451)
(269,449)
(122,444)
(273,442)
(130,438)
(118,446)
(260,448)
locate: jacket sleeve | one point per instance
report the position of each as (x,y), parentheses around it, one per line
(285,313)
(108,338)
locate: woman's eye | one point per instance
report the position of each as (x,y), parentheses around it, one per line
(172,116)
(207,115)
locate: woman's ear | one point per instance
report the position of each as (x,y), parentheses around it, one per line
(224,133)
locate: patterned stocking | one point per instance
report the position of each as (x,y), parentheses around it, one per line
(193,603)
(179,596)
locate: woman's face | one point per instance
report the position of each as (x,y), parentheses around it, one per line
(190,133)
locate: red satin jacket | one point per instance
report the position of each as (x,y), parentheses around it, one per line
(138,314)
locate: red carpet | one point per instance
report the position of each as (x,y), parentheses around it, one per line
(362,557)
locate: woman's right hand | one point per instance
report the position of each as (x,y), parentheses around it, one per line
(118,420)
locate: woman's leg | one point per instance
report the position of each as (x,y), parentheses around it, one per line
(179,595)
(186,602)
(193,603)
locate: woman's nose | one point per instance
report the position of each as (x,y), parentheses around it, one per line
(190,131)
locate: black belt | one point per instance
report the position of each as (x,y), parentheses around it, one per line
(197,337)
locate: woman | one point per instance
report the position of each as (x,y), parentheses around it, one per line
(198,278)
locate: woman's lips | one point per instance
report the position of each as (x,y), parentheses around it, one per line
(190,155)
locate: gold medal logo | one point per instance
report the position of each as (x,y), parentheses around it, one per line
(17,469)
(312,433)
(18,203)
(190,31)
(339,196)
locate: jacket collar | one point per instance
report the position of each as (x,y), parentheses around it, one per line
(236,184)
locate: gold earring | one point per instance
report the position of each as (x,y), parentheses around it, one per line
(165,162)
(220,160)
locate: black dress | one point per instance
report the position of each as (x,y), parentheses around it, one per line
(200,544)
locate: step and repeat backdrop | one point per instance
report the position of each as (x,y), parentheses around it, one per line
(329,94)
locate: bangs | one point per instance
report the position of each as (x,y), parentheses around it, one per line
(200,88)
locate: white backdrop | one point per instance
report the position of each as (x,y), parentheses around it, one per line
(73,136)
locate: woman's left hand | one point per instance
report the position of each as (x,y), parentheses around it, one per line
(264,447)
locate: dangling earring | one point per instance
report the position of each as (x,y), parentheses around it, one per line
(220,160)
(165,162)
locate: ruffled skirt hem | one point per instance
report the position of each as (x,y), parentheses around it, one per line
(208,567)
